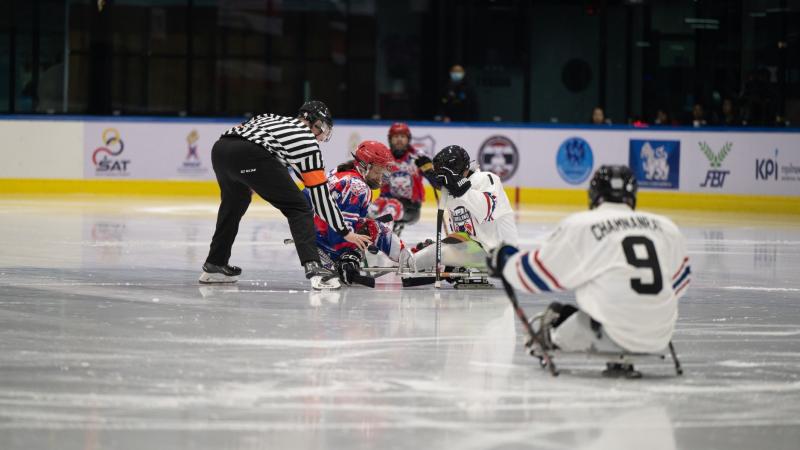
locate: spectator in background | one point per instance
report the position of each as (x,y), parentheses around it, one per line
(458,101)
(599,116)
(662,118)
(729,117)
(759,99)
(698,116)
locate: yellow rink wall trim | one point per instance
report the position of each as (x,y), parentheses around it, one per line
(525,196)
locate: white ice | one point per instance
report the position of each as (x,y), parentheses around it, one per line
(107,341)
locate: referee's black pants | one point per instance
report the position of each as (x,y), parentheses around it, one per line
(241,165)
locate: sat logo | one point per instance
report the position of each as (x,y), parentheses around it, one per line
(105,158)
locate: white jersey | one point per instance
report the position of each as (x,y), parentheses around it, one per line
(628,269)
(483,212)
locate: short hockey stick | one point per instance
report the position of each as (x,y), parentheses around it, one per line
(440,204)
(524,319)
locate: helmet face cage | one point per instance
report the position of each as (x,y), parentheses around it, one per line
(615,184)
(318,116)
(325,130)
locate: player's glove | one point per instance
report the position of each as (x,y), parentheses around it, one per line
(428,171)
(368,227)
(455,183)
(497,258)
(424,164)
(349,266)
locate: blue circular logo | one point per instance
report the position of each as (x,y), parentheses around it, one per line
(574,160)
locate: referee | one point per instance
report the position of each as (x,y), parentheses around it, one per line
(254,156)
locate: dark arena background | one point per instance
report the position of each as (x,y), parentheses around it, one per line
(108,202)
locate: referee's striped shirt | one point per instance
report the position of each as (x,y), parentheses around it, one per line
(293,143)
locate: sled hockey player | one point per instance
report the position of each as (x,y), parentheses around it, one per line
(628,269)
(480,214)
(351,187)
(404,185)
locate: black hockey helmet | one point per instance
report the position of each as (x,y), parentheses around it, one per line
(314,110)
(453,157)
(615,184)
(317,113)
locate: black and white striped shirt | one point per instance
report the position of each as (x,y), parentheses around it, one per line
(293,143)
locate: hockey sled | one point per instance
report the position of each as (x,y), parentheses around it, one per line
(618,365)
(461,278)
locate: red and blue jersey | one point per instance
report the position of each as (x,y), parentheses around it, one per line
(405,181)
(353,196)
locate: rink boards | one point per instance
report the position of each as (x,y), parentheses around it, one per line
(711,169)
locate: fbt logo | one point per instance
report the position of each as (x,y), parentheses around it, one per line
(715,177)
(108,163)
(767,168)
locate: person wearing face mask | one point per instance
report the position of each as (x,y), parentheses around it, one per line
(351,187)
(254,157)
(458,102)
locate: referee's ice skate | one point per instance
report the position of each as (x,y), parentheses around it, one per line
(219,274)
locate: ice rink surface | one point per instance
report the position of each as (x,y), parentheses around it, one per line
(108,342)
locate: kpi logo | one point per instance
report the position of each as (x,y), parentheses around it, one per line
(715,177)
(499,155)
(105,158)
(767,168)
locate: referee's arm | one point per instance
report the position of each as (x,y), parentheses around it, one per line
(303,154)
(317,184)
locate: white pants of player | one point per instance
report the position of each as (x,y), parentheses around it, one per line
(576,335)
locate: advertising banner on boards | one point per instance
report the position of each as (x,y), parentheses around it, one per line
(148,150)
(740,162)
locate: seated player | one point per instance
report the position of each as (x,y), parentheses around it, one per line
(351,187)
(404,184)
(628,269)
(480,213)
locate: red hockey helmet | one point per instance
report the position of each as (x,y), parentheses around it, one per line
(399,128)
(373,153)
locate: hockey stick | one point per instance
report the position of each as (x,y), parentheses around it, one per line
(412,281)
(678,368)
(524,319)
(407,273)
(417,281)
(440,204)
(363,280)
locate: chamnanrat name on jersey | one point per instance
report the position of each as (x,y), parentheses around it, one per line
(636,222)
